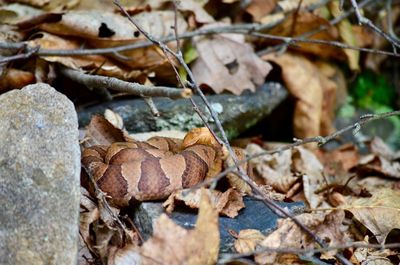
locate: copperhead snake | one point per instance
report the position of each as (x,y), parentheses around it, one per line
(150,170)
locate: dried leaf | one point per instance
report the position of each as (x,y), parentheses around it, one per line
(305,82)
(347,35)
(14,79)
(289,235)
(274,169)
(260,8)
(88,214)
(228,203)
(228,63)
(307,164)
(305,22)
(128,255)
(172,244)
(200,14)
(15,13)
(382,161)
(379,213)
(247,240)
(290,5)
(114,118)
(106,29)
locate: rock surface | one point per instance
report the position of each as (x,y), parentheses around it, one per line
(256,216)
(39,177)
(237,113)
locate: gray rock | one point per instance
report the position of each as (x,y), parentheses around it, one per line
(255,215)
(236,113)
(39,177)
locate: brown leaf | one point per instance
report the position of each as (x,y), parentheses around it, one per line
(274,169)
(172,244)
(289,235)
(106,29)
(128,255)
(307,164)
(247,240)
(347,35)
(228,63)
(15,13)
(260,8)
(304,22)
(89,213)
(308,85)
(195,7)
(228,203)
(11,78)
(382,161)
(99,63)
(379,213)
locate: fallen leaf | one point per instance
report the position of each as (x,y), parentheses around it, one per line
(347,35)
(100,64)
(307,164)
(15,13)
(227,203)
(89,212)
(235,181)
(274,169)
(382,161)
(247,240)
(172,244)
(289,235)
(260,8)
(290,5)
(128,255)
(228,63)
(379,213)
(302,23)
(305,82)
(107,29)
(14,79)
(194,7)
(114,118)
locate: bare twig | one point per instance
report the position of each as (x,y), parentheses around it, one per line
(97,81)
(149,101)
(365,21)
(20,56)
(292,40)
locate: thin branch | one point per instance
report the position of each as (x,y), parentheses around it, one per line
(293,40)
(97,81)
(28,54)
(365,21)
(150,103)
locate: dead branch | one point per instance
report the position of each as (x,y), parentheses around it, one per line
(97,81)
(367,22)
